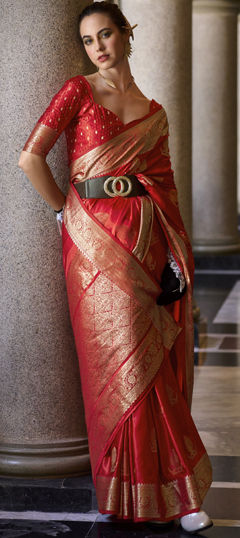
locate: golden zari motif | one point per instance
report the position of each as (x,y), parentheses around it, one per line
(175,464)
(113,458)
(145,500)
(172,395)
(192,452)
(80,274)
(108,493)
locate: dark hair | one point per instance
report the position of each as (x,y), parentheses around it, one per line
(112,10)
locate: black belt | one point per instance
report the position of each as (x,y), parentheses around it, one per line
(110,186)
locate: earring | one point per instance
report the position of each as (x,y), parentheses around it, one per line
(128,49)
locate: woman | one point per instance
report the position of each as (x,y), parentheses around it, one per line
(123,238)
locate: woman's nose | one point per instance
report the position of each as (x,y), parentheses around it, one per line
(100,45)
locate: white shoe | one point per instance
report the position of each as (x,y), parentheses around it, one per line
(197,521)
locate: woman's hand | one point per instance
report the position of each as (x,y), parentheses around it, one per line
(59,217)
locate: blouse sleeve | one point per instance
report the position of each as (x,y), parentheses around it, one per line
(63,107)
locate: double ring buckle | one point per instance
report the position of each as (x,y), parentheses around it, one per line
(115,192)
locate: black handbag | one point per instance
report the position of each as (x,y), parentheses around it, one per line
(172,283)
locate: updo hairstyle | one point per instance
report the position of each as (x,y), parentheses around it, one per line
(115,14)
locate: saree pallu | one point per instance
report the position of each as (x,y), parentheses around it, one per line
(136,358)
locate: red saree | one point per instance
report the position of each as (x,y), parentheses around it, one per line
(136,358)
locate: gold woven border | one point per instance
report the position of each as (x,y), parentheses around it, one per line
(41,140)
(149,501)
(121,392)
(145,232)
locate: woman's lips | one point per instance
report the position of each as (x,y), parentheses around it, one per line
(103,58)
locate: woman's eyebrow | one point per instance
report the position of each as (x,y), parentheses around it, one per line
(99,32)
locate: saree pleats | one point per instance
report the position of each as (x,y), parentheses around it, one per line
(135,357)
(154,467)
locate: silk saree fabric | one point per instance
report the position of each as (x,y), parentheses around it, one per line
(135,357)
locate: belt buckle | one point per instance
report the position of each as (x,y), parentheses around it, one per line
(115,191)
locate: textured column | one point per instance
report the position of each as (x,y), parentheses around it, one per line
(42,428)
(215,125)
(238,100)
(161,64)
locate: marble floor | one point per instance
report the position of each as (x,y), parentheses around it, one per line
(216,411)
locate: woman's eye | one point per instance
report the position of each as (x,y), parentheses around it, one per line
(106,34)
(87,41)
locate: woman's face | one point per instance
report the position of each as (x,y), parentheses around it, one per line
(103,41)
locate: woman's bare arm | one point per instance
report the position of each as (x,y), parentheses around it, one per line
(40,175)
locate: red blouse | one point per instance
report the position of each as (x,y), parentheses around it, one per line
(86,123)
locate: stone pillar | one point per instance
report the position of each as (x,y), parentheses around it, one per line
(42,428)
(215,125)
(238,100)
(161,65)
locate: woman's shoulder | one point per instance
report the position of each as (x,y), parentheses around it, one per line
(156,103)
(75,81)
(160,107)
(74,88)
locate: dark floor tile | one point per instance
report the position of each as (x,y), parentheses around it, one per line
(33,482)
(141,530)
(209,307)
(223,328)
(132,530)
(213,261)
(232,342)
(216,358)
(77,482)
(218,262)
(75,494)
(221,282)
(45,499)
(69,482)
(223,503)
(41,529)
(226,469)
(210,291)
(221,532)
(69,529)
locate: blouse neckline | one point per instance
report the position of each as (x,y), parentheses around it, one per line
(113,113)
